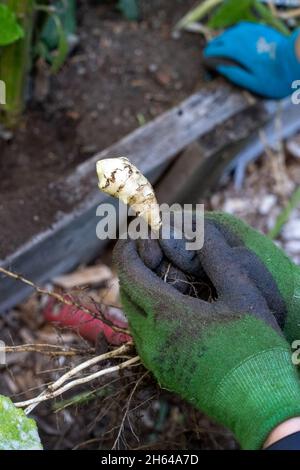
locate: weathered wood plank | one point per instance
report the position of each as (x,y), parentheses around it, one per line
(73,239)
(199,167)
(154,145)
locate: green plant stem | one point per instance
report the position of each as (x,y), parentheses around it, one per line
(197,13)
(15,63)
(284,215)
(266,14)
(83,398)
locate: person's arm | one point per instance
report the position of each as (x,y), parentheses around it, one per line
(286,436)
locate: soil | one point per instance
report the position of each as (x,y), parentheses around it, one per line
(121,75)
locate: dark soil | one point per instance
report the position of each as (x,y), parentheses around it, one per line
(121,75)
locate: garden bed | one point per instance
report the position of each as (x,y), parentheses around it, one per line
(121,75)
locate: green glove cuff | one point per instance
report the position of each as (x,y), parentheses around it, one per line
(292,325)
(258,395)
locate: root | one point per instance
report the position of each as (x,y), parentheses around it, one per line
(58,387)
(62,299)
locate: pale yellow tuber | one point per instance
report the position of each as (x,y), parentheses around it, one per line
(121,179)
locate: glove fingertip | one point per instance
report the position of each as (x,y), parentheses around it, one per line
(150,252)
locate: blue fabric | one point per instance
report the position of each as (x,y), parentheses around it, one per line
(291,442)
(265,60)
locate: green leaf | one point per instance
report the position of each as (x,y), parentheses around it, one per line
(66,11)
(10,30)
(284,215)
(267,16)
(17,432)
(54,42)
(41,50)
(130,9)
(231,12)
(62,51)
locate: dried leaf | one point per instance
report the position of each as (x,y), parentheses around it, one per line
(93,275)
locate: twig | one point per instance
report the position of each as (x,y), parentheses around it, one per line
(196,14)
(83,397)
(39,348)
(75,370)
(167,273)
(62,299)
(200,28)
(284,215)
(273,8)
(276,155)
(127,408)
(266,14)
(50,395)
(86,364)
(89,441)
(286,15)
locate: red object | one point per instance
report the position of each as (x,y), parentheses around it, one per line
(86,325)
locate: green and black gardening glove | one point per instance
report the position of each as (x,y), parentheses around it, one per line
(271,270)
(227,357)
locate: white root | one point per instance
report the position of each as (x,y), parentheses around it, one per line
(60,386)
(121,179)
(50,395)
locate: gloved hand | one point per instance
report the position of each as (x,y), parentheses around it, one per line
(277,277)
(264,60)
(228,358)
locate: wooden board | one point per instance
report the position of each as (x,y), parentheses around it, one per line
(72,240)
